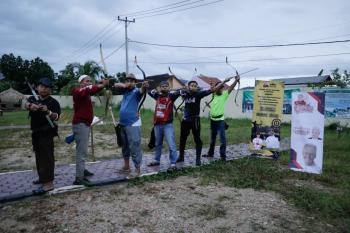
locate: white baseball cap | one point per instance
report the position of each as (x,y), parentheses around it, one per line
(82,77)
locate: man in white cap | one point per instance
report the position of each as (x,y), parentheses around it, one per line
(82,119)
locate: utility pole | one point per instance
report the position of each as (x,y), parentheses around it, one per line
(126,21)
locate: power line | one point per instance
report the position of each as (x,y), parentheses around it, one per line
(170,12)
(168,9)
(94,43)
(114,51)
(150,10)
(241,46)
(88,44)
(253,50)
(250,60)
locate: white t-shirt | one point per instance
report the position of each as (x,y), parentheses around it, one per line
(272,142)
(258,143)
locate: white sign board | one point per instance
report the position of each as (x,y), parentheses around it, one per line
(307,132)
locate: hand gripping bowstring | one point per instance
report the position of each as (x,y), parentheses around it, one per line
(144,78)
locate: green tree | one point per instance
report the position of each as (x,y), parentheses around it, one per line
(340,80)
(16,70)
(68,77)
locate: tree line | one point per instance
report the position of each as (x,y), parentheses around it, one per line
(16,71)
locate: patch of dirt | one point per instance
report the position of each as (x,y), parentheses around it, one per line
(178,205)
(17,153)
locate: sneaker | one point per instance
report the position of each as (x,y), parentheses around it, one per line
(198,162)
(88,173)
(84,182)
(208,156)
(223,158)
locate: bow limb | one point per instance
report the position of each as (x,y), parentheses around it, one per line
(239,85)
(108,91)
(144,78)
(237,75)
(183,100)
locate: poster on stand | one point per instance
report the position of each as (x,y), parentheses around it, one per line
(307,132)
(267,117)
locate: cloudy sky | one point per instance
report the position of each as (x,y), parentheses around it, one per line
(65,31)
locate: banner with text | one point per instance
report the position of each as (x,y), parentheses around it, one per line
(307,132)
(248,100)
(267,115)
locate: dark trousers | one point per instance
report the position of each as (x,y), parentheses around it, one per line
(215,127)
(195,127)
(43,147)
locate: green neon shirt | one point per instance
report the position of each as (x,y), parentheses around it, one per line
(217,106)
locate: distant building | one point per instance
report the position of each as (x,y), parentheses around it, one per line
(302,82)
(11,100)
(173,81)
(205,82)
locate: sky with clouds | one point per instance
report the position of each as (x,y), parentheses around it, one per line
(61,32)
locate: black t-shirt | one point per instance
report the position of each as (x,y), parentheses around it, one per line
(193,103)
(38,120)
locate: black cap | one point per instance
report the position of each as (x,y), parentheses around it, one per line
(46,82)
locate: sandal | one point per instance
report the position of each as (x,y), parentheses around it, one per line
(124,170)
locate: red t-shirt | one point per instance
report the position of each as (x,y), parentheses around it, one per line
(83,112)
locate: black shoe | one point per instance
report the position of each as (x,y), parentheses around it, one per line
(198,162)
(41,191)
(223,158)
(84,182)
(36,182)
(153,163)
(88,173)
(180,159)
(208,156)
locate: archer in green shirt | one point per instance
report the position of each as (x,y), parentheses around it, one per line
(217,123)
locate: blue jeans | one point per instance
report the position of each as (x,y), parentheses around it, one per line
(166,131)
(215,127)
(131,137)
